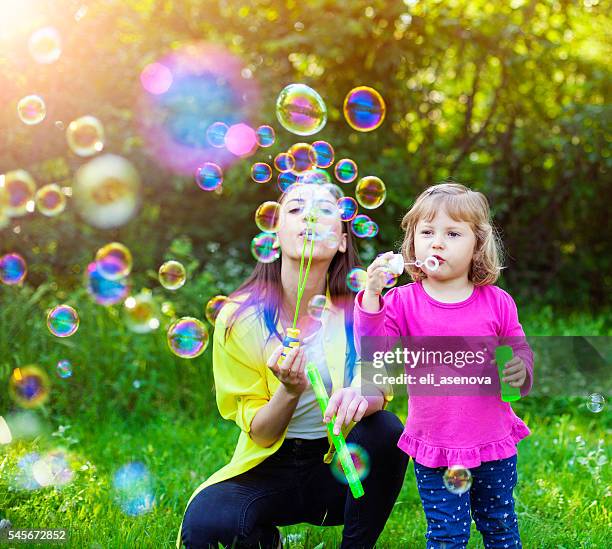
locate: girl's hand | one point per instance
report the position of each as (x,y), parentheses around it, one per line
(515,372)
(348,406)
(291,373)
(378,274)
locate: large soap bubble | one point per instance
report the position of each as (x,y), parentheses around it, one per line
(207,88)
(106,191)
(301,110)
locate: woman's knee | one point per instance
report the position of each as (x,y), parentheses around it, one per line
(203,526)
(380,431)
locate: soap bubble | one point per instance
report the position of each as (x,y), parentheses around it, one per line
(213,307)
(85,136)
(364,109)
(331,240)
(172,275)
(13,269)
(20,188)
(29,386)
(391,280)
(324,153)
(187,337)
(114,261)
(156,78)
(348,208)
(141,313)
(457,479)
(372,229)
(284,162)
(370,192)
(62,321)
(362,226)
(265,136)
(209,176)
(45,45)
(346,170)
(241,140)
(4,217)
(53,469)
(23,425)
(267,216)
(361,461)
(207,88)
(304,157)
(356,279)
(595,403)
(285,180)
(102,290)
(6,437)
(50,200)
(24,479)
(316,306)
(64,369)
(215,134)
(265,247)
(314,177)
(106,191)
(261,172)
(31,110)
(301,110)
(133,489)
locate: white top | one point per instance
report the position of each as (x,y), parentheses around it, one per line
(307,419)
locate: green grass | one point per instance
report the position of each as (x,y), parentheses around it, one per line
(170,423)
(563,495)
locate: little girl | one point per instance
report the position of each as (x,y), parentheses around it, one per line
(454,298)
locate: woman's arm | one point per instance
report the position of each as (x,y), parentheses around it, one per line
(272,419)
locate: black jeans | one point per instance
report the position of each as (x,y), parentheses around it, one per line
(294,485)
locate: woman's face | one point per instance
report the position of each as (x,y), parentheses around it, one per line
(310,212)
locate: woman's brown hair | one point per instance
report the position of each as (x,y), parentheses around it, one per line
(263,288)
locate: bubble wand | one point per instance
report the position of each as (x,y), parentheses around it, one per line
(339,442)
(292,338)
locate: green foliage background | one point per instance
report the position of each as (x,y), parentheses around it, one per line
(511,98)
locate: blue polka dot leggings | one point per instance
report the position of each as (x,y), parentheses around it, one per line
(489,502)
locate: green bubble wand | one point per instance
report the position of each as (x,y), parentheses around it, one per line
(292,340)
(348,467)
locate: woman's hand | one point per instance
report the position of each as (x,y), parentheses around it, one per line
(291,373)
(348,405)
(378,274)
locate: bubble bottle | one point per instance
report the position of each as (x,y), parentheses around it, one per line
(503,354)
(291,341)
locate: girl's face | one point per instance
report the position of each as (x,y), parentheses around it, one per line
(310,212)
(452,242)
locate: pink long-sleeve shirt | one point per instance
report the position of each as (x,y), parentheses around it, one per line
(442,431)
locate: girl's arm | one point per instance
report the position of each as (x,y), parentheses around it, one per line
(512,334)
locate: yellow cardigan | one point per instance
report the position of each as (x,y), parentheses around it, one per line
(244,384)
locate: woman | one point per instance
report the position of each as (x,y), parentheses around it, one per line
(280,474)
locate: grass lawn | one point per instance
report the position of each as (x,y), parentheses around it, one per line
(562,499)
